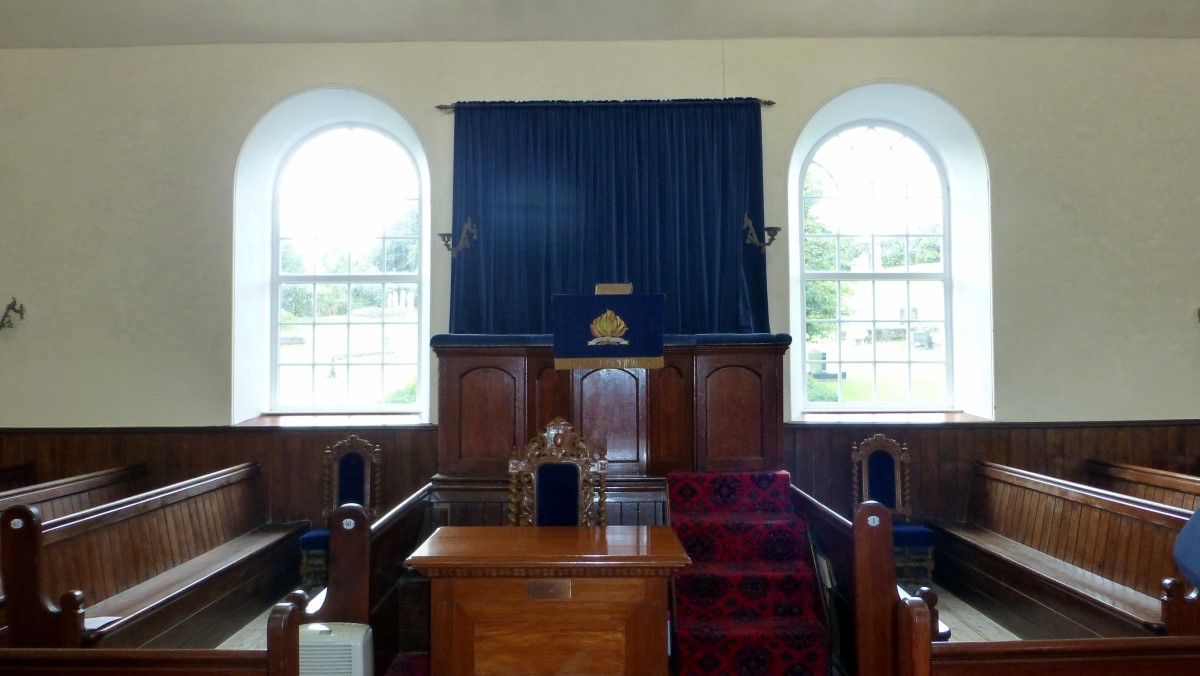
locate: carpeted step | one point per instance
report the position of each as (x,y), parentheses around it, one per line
(743,536)
(749,604)
(729,492)
(744,591)
(409,664)
(759,648)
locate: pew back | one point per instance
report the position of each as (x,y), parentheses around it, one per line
(54,499)
(1122,539)
(1168,488)
(151,533)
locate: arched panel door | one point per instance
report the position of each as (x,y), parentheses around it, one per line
(610,411)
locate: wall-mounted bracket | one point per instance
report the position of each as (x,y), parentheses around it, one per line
(6,321)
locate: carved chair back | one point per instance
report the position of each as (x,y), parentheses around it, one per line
(352,475)
(879,466)
(557,479)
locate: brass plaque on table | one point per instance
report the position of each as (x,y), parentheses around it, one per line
(554,590)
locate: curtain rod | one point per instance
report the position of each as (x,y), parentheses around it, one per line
(449,107)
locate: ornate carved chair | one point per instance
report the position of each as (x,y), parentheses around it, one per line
(558,479)
(880,472)
(351,476)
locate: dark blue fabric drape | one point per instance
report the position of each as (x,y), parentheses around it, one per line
(570,194)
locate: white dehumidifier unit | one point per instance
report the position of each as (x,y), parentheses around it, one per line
(336,649)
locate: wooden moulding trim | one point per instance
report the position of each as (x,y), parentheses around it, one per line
(1066,650)
(575,570)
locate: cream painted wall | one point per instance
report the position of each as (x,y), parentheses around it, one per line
(116,184)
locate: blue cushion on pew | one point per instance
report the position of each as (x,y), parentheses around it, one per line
(317,538)
(1187,549)
(911,535)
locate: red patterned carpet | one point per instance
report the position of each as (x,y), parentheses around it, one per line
(409,664)
(749,603)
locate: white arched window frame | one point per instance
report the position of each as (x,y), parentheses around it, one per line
(955,148)
(263,156)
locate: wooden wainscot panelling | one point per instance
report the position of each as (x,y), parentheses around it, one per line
(817,453)
(291,457)
(739,401)
(716,404)
(486,394)
(611,413)
(672,436)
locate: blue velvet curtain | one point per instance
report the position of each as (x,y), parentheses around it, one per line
(570,194)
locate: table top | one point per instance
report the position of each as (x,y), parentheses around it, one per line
(550,551)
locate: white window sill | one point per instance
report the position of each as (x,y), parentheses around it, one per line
(333,420)
(889,417)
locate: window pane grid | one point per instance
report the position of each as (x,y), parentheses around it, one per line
(347,275)
(876,288)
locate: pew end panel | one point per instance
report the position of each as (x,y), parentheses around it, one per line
(1180,608)
(832,538)
(347,596)
(399,597)
(21,558)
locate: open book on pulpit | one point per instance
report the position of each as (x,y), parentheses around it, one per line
(608,330)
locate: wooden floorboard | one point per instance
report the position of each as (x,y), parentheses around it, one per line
(967,623)
(251,637)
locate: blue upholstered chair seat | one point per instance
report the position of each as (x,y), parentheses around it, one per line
(317,538)
(911,535)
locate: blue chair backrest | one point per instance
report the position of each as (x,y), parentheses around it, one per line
(556,493)
(881,479)
(352,480)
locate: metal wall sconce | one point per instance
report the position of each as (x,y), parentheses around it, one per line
(469,234)
(752,234)
(6,319)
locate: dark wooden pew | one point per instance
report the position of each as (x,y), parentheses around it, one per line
(180,566)
(61,497)
(281,657)
(54,499)
(895,632)
(857,573)
(1055,559)
(917,656)
(367,582)
(1156,485)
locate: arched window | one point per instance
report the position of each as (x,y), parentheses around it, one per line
(885,307)
(332,260)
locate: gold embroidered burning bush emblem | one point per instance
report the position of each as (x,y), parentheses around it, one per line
(607,329)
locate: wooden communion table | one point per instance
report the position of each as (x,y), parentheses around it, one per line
(549,600)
